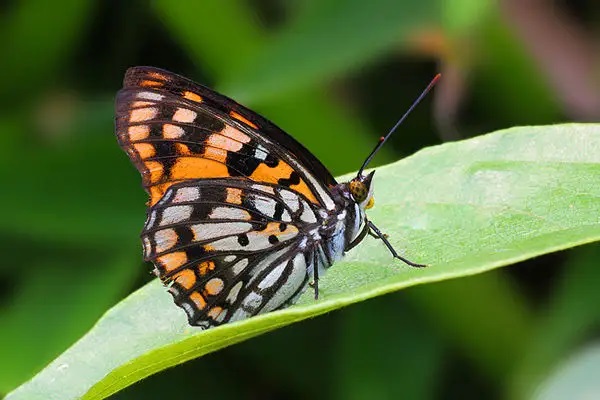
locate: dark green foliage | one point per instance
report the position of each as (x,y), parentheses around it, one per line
(335,74)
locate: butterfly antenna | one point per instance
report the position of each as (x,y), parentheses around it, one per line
(383,139)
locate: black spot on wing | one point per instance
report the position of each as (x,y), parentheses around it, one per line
(271,161)
(195,252)
(243,240)
(294,179)
(185,235)
(240,163)
(208,122)
(244,161)
(166,154)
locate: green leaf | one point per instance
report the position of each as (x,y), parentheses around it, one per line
(326,39)
(463,208)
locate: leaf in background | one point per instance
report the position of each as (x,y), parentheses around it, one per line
(240,36)
(509,72)
(42,34)
(382,351)
(308,114)
(326,40)
(577,379)
(460,311)
(83,190)
(464,208)
(568,318)
(462,17)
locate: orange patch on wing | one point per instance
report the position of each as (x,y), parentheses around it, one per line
(208,248)
(213,153)
(182,149)
(172,261)
(145,150)
(192,96)
(138,132)
(198,300)
(157,192)
(303,188)
(186,278)
(151,83)
(143,114)
(214,312)
(157,75)
(214,286)
(273,229)
(196,167)
(264,173)
(154,171)
(234,196)
(242,119)
(235,134)
(205,266)
(141,104)
(172,131)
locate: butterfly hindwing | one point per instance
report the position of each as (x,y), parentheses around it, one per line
(175,130)
(228,249)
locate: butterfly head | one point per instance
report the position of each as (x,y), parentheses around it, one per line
(361,189)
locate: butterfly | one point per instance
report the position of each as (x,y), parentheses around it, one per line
(241,217)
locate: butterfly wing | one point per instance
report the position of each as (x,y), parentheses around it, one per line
(174,130)
(233,199)
(230,250)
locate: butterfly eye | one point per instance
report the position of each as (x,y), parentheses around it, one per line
(358,190)
(370,203)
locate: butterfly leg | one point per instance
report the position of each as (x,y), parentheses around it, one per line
(377,233)
(315,283)
(366,230)
(371,233)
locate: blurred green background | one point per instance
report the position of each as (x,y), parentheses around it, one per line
(336,74)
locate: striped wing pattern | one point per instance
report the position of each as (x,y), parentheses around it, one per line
(234,201)
(230,250)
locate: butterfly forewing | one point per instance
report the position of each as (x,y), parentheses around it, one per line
(176,130)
